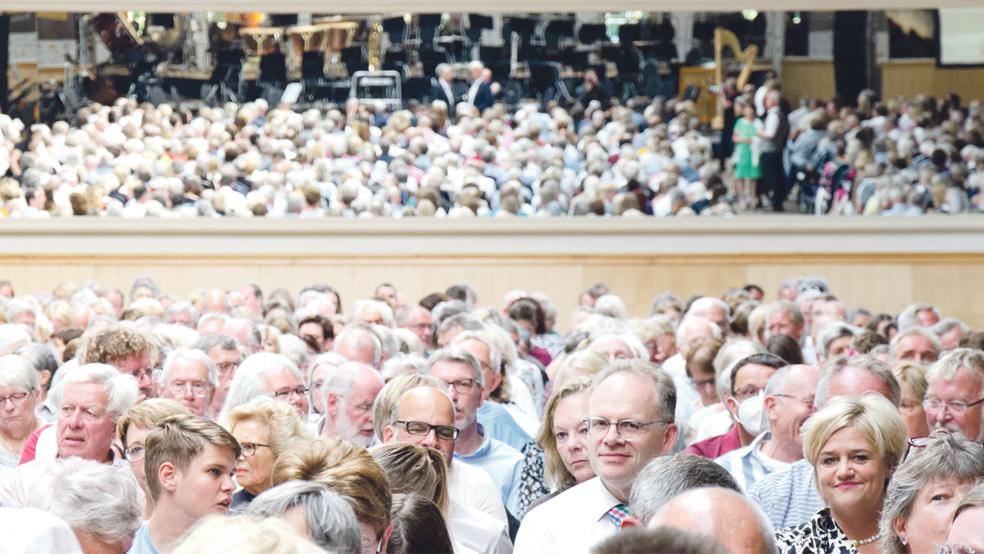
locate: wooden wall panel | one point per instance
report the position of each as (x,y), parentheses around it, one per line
(807,78)
(921,76)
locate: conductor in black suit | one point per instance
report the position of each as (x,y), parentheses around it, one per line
(441,87)
(480,94)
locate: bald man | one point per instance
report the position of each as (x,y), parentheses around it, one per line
(357,343)
(722,514)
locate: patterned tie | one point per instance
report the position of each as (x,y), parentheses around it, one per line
(617,514)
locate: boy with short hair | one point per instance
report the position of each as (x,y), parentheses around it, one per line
(189,462)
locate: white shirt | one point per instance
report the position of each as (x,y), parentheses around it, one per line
(473,530)
(687,395)
(471,486)
(33,531)
(573,521)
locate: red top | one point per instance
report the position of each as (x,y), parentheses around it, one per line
(716,446)
(30,447)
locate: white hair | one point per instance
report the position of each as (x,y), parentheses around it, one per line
(91,497)
(610,305)
(832,332)
(373,307)
(248,381)
(121,388)
(910,315)
(699,307)
(188,354)
(12,338)
(691,322)
(17,373)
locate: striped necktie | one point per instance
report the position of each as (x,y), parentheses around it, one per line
(617,514)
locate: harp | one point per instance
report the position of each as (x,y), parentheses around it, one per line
(724,38)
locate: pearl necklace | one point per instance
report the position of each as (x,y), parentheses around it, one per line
(863,542)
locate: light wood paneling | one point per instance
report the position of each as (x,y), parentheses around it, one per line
(915,76)
(807,78)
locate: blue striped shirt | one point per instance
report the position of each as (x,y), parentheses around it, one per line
(788,497)
(748,464)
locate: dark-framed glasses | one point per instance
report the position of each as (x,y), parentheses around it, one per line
(422,429)
(626,428)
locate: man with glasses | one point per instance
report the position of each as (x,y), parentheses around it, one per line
(349,391)
(629,422)
(267,374)
(188,377)
(955,393)
(788,403)
(463,374)
(424,416)
(748,378)
(226,354)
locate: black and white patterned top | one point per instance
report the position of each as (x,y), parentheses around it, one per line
(820,535)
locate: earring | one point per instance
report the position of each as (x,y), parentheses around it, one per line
(903,540)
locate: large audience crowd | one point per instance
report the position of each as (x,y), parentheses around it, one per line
(589,156)
(265,421)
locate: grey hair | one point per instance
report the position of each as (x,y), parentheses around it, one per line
(908,332)
(495,358)
(946,368)
(401,364)
(874,366)
(17,373)
(455,355)
(373,307)
(974,498)
(947,455)
(610,305)
(121,388)
(704,302)
(354,329)
(786,307)
(194,355)
(223,342)
(946,325)
(730,354)
(95,498)
(328,358)
(331,522)
(41,357)
(667,476)
(246,384)
(663,383)
(693,321)
(909,317)
(341,381)
(447,309)
(182,307)
(831,333)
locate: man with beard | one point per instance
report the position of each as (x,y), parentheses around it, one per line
(349,393)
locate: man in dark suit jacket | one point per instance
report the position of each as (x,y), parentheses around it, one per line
(442,85)
(480,94)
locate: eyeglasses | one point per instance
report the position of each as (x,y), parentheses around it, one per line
(134,453)
(462,386)
(198,388)
(626,428)
(746,392)
(918,442)
(956,407)
(422,429)
(249,448)
(14,399)
(806,400)
(299,391)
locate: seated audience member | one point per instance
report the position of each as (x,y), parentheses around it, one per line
(20,397)
(916,344)
(103,506)
(564,435)
(90,400)
(319,369)
(747,379)
(854,447)
(44,360)
(723,514)
(950,330)
(788,403)
(790,497)
(317,332)
(665,477)
(349,391)
(417,526)
(225,353)
(968,519)
(189,377)
(629,422)
(463,374)
(357,343)
(582,363)
(313,511)
(416,469)
(954,393)
(662,539)
(925,490)
(245,535)
(467,485)
(912,379)
(132,430)
(266,374)
(352,473)
(418,319)
(128,350)
(264,429)
(189,462)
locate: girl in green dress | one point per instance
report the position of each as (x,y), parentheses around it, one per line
(746,151)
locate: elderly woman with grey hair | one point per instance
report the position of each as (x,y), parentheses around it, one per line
(313,511)
(924,492)
(19,396)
